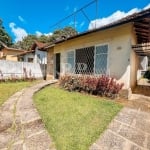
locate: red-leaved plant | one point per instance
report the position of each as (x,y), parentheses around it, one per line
(102,85)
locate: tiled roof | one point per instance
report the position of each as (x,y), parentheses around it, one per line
(26,52)
(15,49)
(40,45)
(10,48)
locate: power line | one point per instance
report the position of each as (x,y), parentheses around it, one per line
(74,13)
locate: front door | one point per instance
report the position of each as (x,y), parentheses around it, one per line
(57,73)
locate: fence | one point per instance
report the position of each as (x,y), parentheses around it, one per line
(10,68)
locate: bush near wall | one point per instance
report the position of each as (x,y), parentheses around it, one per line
(102,85)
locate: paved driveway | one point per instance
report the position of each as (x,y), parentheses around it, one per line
(130,129)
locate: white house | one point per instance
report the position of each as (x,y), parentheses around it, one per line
(37,54)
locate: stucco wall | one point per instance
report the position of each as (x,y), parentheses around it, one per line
(134,67)
(50,63)
(28,55)
(9,68)
(43,56)
(11,57)
(34,55)
(134,61)
(10,54)
(119,42)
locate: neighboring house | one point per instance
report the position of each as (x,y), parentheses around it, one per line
(113,49)
(8,53)
(37,54)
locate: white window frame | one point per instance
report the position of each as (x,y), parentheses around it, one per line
(102,44)
(71,50)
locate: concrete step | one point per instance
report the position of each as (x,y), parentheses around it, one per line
(139,97)
(142,90)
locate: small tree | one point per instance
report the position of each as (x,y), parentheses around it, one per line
(4,36)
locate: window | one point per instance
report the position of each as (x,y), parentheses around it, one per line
(85,60)
(70,62)
(101,54)
(30,59)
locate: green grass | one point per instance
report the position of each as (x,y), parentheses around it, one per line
(8,89)
(74,120)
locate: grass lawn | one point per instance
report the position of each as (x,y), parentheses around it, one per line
(8,89)
(74,120)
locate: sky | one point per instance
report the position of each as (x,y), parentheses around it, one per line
(23,17)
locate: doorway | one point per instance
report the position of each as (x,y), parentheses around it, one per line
(57,67)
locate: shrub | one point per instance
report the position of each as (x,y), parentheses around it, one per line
(102,85)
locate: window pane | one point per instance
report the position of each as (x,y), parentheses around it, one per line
(101,49)
(70,54)
(101,59)
(70,62)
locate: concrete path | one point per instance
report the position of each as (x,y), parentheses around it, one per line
(21,127)
(130,129)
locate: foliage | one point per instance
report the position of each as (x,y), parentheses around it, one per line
(103,85)
(63,33)
(74,120)
(4,36)
(147,74)
(28,41)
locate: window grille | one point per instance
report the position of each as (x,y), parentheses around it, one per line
(90,60)
(85,60)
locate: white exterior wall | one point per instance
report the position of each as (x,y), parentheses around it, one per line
(11,68)
(119,43)
(43,56)
(28,55)
(119,59)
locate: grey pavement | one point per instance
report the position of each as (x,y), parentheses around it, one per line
(21,127)
(129,130)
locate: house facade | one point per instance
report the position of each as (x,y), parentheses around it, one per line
(110,50)
(36,55)
(8,53)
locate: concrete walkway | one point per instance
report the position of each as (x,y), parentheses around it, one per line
(130,129)
(21,127)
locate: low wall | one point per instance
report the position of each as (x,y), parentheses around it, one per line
(19,69)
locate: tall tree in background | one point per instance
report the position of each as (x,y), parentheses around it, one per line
(63,33)
(59,34)
(4,36)
(26,42)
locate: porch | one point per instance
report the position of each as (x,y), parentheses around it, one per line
(142,49)
(143,80)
